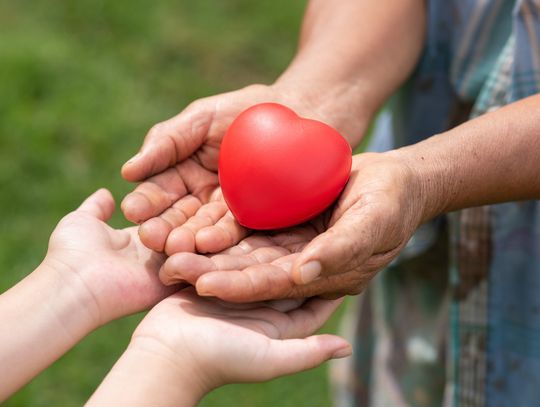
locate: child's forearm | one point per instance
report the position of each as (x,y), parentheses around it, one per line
(146,375)
(42,317)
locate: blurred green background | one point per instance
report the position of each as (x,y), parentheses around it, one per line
(80,84)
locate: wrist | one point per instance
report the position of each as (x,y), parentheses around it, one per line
(154,374)
(340,103)
(41,319)
(71,302)
(184,366)
(430,180)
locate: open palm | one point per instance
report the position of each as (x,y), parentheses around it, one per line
(117,272)
(239,342)
(179,202)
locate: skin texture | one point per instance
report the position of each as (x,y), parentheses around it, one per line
(179,203)
(491,159)
(388,197)
(183,153)
(366,229)
(177,354)
(91,275)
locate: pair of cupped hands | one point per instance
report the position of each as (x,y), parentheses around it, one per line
(253,292)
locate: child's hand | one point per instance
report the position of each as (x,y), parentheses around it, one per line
(110,270)
(188,345)
(91,275)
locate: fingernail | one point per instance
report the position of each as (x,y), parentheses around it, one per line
(135,157)
(204,293)
(342,353)
(310,271)
(209,286)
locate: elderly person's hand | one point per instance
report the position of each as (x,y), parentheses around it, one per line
(388,196)
(179,201)
(333,255)
(180,197)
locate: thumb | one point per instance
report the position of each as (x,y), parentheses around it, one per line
(100,205)
(295,355)
(349,239)
(170,142)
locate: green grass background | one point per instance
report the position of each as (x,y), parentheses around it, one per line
(80,84)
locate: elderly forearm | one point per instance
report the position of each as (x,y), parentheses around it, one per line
(494,158)
(355,53)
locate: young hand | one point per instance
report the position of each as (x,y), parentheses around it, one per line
(92,274)
(188,345)
(110,270)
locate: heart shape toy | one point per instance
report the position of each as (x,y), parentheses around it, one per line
(277,169)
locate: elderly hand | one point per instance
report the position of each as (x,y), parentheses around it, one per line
(333,255)
(179,202)
(180,195)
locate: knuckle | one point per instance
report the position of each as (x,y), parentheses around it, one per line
(360,281)
(196,106)
(165,275)
(301,291)
(156,130)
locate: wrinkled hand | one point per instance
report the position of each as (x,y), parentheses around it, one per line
(334,255)
(215,343)
(110,271)
(179,202)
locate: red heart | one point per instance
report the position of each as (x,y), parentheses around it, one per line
(277,169)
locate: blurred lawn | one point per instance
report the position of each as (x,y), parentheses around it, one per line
(80,83)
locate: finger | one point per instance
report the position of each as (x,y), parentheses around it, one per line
(185,267)
(261,255)
(249,244)
(182,239)
(308,318)
(273,281)
(295,355)
(224,234)
(159,192)
(171,141)
(100,205)
(255,283)
(155,231)
(347,244)
(297,322)
(216,306)
(189,266)
(153,196)
(295,239)
(285,305)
